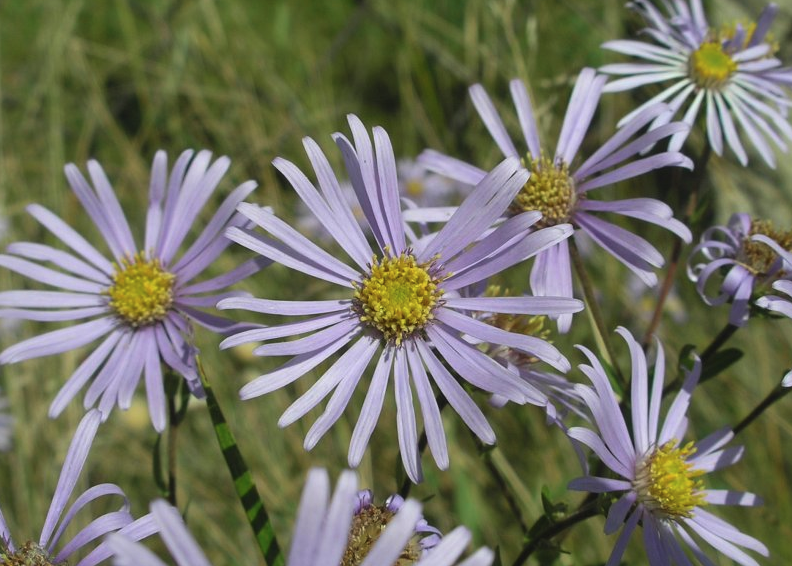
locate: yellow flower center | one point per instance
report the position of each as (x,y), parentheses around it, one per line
(142,291)
(710,66)
(398,296)
(757,257)
(414,188)
(30,554)
(549,189)
(666,482)
(367,526)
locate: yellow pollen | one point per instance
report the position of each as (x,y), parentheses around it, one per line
(142,291)
(710,66)
(549,189)
(398,296)
(666,482)
(367,526)
(757,257)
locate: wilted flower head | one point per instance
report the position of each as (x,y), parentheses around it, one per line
(660,476)
(401,300)
(144,300)
(48,551)
(731,70)
(561,190)
(743,267)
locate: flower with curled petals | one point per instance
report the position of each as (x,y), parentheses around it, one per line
(49,551)
(746,266)
(401,299)
(659,480)
(775,303)
(731,71)
(561,190)
(144,300)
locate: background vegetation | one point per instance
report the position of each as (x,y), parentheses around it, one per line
(118,80)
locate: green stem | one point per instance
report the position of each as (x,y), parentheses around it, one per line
(719,340)
(596,313)
(676,252)
(245,489)
(587,510)
(503,485)
(776,394)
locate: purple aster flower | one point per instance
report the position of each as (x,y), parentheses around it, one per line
(174,533)
(331,532)
(142,302)
(561,191)
(348,529)
(58,519)
(423,187)
(781,305)
(742,266)
(659,476)
(732,71)
(401,300)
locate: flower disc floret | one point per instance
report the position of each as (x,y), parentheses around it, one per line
(398,297)
(666,482)
(142,291)
(367,526)
(550,190)
(710,66)
(30,554)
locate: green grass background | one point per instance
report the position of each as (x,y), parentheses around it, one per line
(119,79)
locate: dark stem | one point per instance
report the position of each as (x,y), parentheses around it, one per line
(719,340)
(676,252)
(778,393)
(593,306)
(587,510)
(244,486)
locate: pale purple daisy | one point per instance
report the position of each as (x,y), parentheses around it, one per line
(401,299)
(742,266)
(48,549)
(143,301)
(426,188)
(343,531)
(781,305)
(658,475)
(561,191)
(732,71)
(181,544)
(329,532)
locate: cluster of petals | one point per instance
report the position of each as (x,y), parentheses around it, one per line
(465,251)
(610,164)
(721,254)
(775,303)
(84,277)
(752,97)
(59,518)
(320,534)
(665,537)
